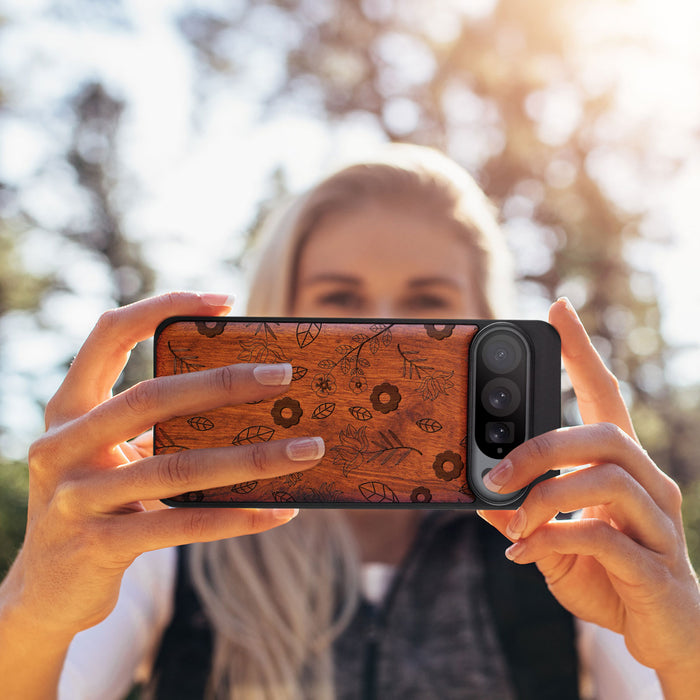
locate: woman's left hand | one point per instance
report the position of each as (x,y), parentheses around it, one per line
(623,564)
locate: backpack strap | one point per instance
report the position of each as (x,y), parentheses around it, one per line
(536,633)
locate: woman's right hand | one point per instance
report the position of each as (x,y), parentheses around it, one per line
(87,516)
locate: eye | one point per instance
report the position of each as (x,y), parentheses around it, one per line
(427,302)
(345,299)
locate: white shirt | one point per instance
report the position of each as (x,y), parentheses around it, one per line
(104,661)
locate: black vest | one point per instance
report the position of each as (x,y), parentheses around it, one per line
(415,645)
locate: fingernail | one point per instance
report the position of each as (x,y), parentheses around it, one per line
(218,299)
(285,513)
(273,375)
(569,306)
(515,550)
(303,449)
(517,525)
(499,476)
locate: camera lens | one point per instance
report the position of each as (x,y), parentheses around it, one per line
(502,353)
(499,432)
(500,396)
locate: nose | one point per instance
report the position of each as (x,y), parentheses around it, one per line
(382,308)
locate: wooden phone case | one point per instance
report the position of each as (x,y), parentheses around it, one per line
(389,398)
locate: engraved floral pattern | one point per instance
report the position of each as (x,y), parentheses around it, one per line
(421,494)
(439,331)
(356,449)
(448,465)
(385,397)
(210,329)
(286,412)
(323,384)
(378,404)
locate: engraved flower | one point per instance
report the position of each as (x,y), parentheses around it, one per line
(357,384)
(385,397)
(286,412)
(421,494)
(439,331)
(353,444)
(323,384)
(210,328)
(448,465)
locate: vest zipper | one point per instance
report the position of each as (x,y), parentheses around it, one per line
(378,614)
(369,671)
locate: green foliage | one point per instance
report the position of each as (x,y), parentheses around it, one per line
(14,484)
(691,521)
(18,289)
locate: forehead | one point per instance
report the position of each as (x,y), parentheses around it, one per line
(384,239)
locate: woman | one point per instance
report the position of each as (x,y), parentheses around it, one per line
(412,236)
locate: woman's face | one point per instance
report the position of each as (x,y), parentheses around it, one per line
(385,261)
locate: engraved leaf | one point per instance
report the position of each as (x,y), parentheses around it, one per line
(376,492)
(326,364)
(254,433)
(323,410)
(260,351)
(360,413)
(200,423)
(362,362)
(386,338)
(374,345)
(283,497)
(164,443)
(307,333)
(293,478)
(298,373)
(429,425)
(344,349)
(359,338)
(244,487)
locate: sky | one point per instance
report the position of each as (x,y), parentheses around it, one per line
(187,185)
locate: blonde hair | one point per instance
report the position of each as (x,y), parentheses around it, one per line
(404,175)
(277,600)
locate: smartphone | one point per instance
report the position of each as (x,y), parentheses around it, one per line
(413,413)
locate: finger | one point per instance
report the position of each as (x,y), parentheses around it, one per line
(579,445)
(143,444)
(614,550)
(155,400)
(596,388)
(497,518)
(165,476)
(606,486)
(102,357)
(142,532)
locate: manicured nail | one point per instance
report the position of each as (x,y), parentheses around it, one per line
(218,299)
(304,449)
(515,550)
(499,476)
(517,525)
(569,306)
(273,375)
(285,514)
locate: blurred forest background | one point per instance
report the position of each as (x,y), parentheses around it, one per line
(580,119)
